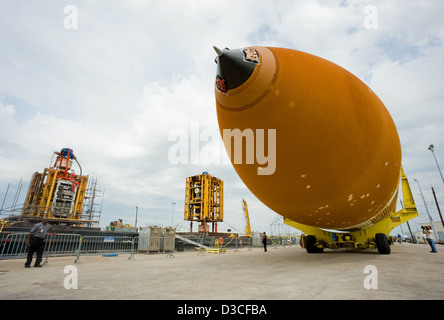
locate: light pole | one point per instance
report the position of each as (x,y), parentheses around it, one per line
(432,148)
(427,210)
(172,214)
(137,211)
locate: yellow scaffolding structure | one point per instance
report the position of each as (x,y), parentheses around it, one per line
(80,197)
(57,193)
(204,201)
(42,195)
(44,208)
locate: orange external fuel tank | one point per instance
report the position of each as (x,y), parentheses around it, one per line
(336,150)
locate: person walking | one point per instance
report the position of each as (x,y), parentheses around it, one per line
(427,230)
(36,243)
(264,241)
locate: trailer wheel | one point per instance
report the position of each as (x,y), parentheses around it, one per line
(382,243)
(310,245)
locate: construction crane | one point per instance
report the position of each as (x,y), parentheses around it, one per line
(247,219)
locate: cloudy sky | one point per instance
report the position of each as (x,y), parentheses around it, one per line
(116,81)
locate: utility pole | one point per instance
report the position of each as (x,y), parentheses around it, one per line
(437,206)
(432,148)
(137,211)
(172,214)
(427,210)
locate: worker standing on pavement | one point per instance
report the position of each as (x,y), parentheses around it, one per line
(264,241)
(36,243)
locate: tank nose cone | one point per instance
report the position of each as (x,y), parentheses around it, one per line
(234,67)
(218,51)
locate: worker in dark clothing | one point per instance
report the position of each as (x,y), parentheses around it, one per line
(264,241)
(36,243)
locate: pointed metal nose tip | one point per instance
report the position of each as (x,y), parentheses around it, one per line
(218,51)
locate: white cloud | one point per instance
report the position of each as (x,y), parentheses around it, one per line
(134,71)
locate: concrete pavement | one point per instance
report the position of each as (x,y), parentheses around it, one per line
(409,272)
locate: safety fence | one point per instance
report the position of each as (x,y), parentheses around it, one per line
(203,242)
(105,245)
(237,243)
(13,245)
(90,245)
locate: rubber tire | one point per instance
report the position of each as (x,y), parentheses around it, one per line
(382,243)
(310,245)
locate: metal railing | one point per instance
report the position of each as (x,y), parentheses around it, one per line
(203,242)
(13,245)
(93,245)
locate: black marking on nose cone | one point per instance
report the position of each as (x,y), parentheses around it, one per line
(233,68)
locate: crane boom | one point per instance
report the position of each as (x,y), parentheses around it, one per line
(247,219)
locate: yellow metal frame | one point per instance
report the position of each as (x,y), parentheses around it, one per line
(40,197)
(44,209)
(206,205)
(248,232)
(34,187)
(363,238)
(76,212)
(216,250)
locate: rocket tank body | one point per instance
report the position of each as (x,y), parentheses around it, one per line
(336,148)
